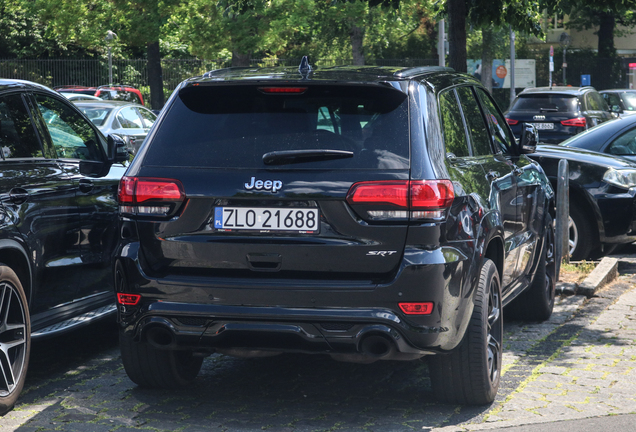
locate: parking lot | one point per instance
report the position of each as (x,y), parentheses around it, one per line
(77,383)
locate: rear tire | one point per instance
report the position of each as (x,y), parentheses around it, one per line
(470,375)
(150,367)
(15,338)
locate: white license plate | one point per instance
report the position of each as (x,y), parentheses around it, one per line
(264,219)
(543,125)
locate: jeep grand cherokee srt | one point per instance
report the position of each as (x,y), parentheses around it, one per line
(364,213)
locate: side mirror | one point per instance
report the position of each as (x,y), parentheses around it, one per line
(616,109)
(117,149)
(529,137)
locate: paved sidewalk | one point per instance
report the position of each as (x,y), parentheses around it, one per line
(592,374)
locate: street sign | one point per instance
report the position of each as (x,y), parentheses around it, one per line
(551,51)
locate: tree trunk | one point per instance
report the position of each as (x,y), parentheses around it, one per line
(606,52)
(457,35)
(606,35)
(155,77)
(356,35)
(486,57)
(240,59)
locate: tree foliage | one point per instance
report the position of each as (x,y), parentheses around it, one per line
(521,15)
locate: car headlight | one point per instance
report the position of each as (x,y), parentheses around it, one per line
(623,178)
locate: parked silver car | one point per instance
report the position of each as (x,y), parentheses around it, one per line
(129,120)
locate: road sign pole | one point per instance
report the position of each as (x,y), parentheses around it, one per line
(551,63)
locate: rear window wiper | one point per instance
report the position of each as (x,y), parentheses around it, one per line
(297,156)
(548,110)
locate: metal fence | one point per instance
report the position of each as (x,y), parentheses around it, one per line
(94,72)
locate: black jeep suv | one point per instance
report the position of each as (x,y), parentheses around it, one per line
(366,213)
(58,188)
(558,113)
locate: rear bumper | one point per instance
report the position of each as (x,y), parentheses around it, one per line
(209,314)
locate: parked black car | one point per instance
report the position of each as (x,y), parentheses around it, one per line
(58,183)
(620,101)
(602,204)
(557,112)
(362,212)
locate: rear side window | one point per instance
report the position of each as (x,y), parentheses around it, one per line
(475,121)
(629,99)
(595,102)
(233,126)
(501,135)
(129,119)
(546,103)
(454,134)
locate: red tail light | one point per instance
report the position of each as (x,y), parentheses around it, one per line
(128,299)
(512,122)
(284,90)
(149,196)
(578,122)
(417,308)
(403,199)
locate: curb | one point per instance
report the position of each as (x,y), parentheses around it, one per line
(605,272)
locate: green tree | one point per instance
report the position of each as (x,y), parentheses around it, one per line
(241,27)
(137,23)
(521,15)
(603,15)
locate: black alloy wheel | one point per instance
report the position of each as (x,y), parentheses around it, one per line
(470,375)
(15,338)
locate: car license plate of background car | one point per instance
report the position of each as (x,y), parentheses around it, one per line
(264,219)
(543,126)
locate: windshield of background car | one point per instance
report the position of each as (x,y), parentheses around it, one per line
(546,103)
(629,100)
(233,126)
(97,115)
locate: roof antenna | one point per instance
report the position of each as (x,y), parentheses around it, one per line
(304,69)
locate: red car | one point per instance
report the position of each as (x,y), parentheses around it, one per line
(121,92)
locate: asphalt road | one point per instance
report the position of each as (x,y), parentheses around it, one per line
(76,383)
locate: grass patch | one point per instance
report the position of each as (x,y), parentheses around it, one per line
(576,271)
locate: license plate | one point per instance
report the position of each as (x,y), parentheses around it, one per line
(265,219)
(543,125)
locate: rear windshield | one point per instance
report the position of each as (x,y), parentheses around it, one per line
(233,126)
(546,103)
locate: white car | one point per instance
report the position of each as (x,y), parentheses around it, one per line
(78,96)
(128,120)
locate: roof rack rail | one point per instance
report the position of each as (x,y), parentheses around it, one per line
(208,74)
(409,72)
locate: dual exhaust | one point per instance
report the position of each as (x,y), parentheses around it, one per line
(372,347)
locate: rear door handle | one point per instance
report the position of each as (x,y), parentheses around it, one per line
(85,185)
(18,195)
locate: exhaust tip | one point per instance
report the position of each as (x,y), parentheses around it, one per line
(377,346)
(160,337)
